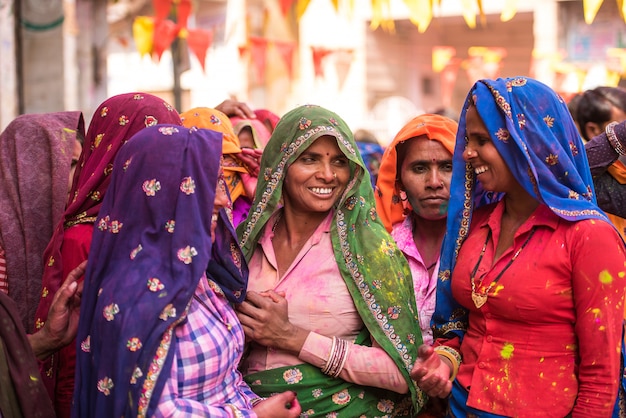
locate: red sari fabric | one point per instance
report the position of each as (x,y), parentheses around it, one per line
(115,121)
(35,159)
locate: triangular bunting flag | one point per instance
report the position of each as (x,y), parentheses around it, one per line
(143,34)
(165,32)
(162,9)
(199,41)
(285,49)
(319,53)
(183,10)
(343,62)
(258,47)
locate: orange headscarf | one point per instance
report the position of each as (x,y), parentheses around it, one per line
(436,128)
(213,119)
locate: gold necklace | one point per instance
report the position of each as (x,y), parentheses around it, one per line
(480,299)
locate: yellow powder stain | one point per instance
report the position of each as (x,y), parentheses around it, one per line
(605,277)
(542,359)
(507,351)
(553,384)
(571,347)
(621,274)
(498,289)
(541,375)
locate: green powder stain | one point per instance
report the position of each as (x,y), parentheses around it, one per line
(507,351)
(605,277)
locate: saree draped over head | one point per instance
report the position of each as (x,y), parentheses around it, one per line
(389,204)
(374,270)
(267,117)
(545,155)
(113,123)
(35,160)
(207,118)
(22,393)
(151,246)
(259,130)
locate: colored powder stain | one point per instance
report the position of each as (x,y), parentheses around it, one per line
(507,351)
(596,313)
(605,277)
(498,289)
(571,347)
(621,274)
(542,359)
(553,384)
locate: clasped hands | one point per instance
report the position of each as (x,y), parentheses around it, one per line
(431,372)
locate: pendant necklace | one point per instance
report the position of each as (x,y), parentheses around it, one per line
(480,299)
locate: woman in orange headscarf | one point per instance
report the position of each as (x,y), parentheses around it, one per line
(241,184)
(412,193)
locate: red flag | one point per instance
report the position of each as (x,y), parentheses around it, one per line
(199,42)
(285,49)
(319,53)
(165,32)
(285,5)
(161,9)
(183,11)
(258,49)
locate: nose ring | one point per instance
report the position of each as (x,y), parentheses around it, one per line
(334,175)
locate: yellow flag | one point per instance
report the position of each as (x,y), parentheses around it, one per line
(420,13)
(301,8)
(621,6)
(508,10)
(469,13)
(143,33)
(590,9)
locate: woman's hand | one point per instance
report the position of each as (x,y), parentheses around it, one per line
(251,158)
(265,320)
(280,405)
(62,324)
(432,373)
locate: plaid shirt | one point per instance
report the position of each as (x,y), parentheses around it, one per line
(204,376)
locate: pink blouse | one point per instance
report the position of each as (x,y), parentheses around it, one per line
(424,284)
(320,302)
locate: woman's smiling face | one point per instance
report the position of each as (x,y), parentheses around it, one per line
(317,178)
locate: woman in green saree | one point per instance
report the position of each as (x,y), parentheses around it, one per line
(330,311)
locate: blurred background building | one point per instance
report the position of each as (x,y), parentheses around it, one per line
(376,63)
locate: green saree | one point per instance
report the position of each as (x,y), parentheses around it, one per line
(374,270)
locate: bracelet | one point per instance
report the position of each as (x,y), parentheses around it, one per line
(255,401)
(453,356)
(613,140)
(236,412)
(337,357)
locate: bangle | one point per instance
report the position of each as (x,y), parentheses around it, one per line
(336,358)
(613,140)
(236,412)
(453,356)
(255,401)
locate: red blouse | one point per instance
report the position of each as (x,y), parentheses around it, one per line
(547,341)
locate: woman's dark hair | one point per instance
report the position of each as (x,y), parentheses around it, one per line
(596,105)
